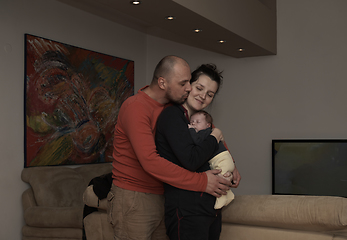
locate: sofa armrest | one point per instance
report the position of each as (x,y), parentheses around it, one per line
(28,199)
(97,226)
(91,200)
(54,217)
(309,213)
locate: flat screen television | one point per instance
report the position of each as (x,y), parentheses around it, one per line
(309,167)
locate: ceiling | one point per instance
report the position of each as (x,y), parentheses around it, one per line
(249,25)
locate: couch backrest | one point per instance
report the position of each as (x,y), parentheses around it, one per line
(308,213)
(62,186)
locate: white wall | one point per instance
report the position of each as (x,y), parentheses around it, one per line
(56,21)
(299,93)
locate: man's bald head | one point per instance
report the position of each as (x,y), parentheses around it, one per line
(166,67)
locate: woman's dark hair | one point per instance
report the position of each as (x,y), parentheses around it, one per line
(209,70)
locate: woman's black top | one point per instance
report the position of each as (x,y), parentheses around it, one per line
(174,143)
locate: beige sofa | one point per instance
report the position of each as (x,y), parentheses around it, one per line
(53,204)
(53,209)
(269,217)
(256,217)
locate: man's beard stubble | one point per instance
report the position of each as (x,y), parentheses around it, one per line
(176,101)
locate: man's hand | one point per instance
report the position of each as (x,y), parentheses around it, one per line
(236,178)
(216,185)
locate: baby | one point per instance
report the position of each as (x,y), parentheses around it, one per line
(200,127)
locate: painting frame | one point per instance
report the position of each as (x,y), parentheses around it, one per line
(72,98)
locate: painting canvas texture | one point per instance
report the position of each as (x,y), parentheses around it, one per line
(72,99)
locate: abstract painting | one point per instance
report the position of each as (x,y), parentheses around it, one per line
(72,99)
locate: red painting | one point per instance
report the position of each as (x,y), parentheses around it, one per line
(72,99)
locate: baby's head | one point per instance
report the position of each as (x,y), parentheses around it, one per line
(201,120)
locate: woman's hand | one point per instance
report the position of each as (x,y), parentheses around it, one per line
(217,133)
(236,178)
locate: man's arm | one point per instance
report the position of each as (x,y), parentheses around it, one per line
(137,125)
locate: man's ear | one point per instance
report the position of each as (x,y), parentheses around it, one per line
(208,124)
(162,83)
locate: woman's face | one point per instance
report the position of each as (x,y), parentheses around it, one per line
(202,94)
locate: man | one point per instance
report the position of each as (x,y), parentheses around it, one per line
(136,208)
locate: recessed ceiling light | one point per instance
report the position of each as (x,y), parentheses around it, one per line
(241,49)
(170,18)
(197,30)
(135,2)
(222,41)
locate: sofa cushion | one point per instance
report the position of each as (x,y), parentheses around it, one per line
(235,231)
(54,217)
(34,233)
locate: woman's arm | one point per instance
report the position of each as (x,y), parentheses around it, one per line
(236,174)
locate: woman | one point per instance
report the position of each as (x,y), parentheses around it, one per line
(190,215)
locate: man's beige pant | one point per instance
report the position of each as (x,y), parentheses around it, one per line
(136,215)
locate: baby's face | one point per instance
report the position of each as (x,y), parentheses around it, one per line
(198,121)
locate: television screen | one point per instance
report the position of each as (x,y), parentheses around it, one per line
(309,167)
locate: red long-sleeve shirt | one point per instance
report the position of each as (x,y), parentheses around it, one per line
(137,165)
